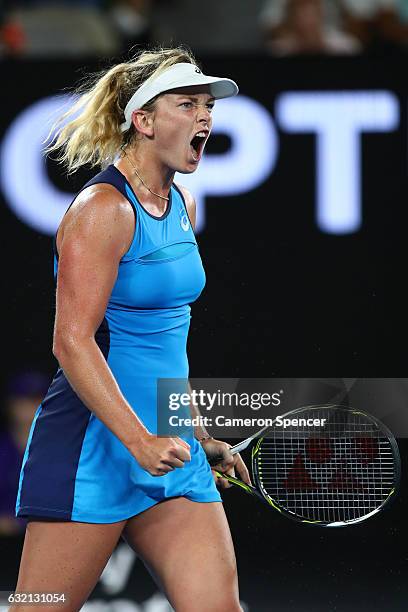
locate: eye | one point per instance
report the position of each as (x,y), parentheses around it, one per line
(210,106)
(187,104)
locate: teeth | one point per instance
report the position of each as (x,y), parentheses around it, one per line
(201,134)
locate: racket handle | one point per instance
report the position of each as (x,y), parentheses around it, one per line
(237,482)
(242,485)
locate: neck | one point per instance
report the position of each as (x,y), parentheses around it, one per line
(148,175)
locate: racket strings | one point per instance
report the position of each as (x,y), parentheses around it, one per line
(340,472)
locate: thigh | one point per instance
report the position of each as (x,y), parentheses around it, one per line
(65,557)
(188,549)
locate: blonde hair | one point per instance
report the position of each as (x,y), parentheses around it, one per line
(89,133)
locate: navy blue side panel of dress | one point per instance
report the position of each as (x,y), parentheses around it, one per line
(57,443)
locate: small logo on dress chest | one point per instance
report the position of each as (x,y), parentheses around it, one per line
(185,223)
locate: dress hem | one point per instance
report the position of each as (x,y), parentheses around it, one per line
(84,517)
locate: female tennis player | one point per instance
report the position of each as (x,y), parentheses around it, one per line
(127,268)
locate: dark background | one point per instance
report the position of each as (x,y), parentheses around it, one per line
(282,299)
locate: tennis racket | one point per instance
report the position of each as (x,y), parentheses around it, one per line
(324,465)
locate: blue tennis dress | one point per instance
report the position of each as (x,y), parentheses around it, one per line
(74,467)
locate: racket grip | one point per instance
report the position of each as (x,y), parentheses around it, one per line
(243,485)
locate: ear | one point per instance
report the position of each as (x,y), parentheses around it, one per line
(143,122)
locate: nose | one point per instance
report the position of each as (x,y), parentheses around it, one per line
(203,114)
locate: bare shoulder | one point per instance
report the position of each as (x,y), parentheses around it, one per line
(190,204)
(99,211)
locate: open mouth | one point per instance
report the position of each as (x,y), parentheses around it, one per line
(197,145)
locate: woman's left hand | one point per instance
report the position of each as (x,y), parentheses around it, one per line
(226,462)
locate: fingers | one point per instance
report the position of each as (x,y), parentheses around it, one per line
(182,450)
(174,462)
(174,457)
(242,470)
(182,443)
(221,482)
(230,465)
(240,467)
(226,460)
(162,470)
(180,453)
(167,466)
(163,455)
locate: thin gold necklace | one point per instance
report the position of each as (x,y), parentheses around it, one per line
(142,181)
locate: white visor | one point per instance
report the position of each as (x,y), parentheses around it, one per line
(179,75)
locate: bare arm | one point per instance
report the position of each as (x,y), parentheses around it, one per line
(96,234)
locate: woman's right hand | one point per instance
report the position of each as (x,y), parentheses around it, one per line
(158,456)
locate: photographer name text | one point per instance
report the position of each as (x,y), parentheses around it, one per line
(222,421)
